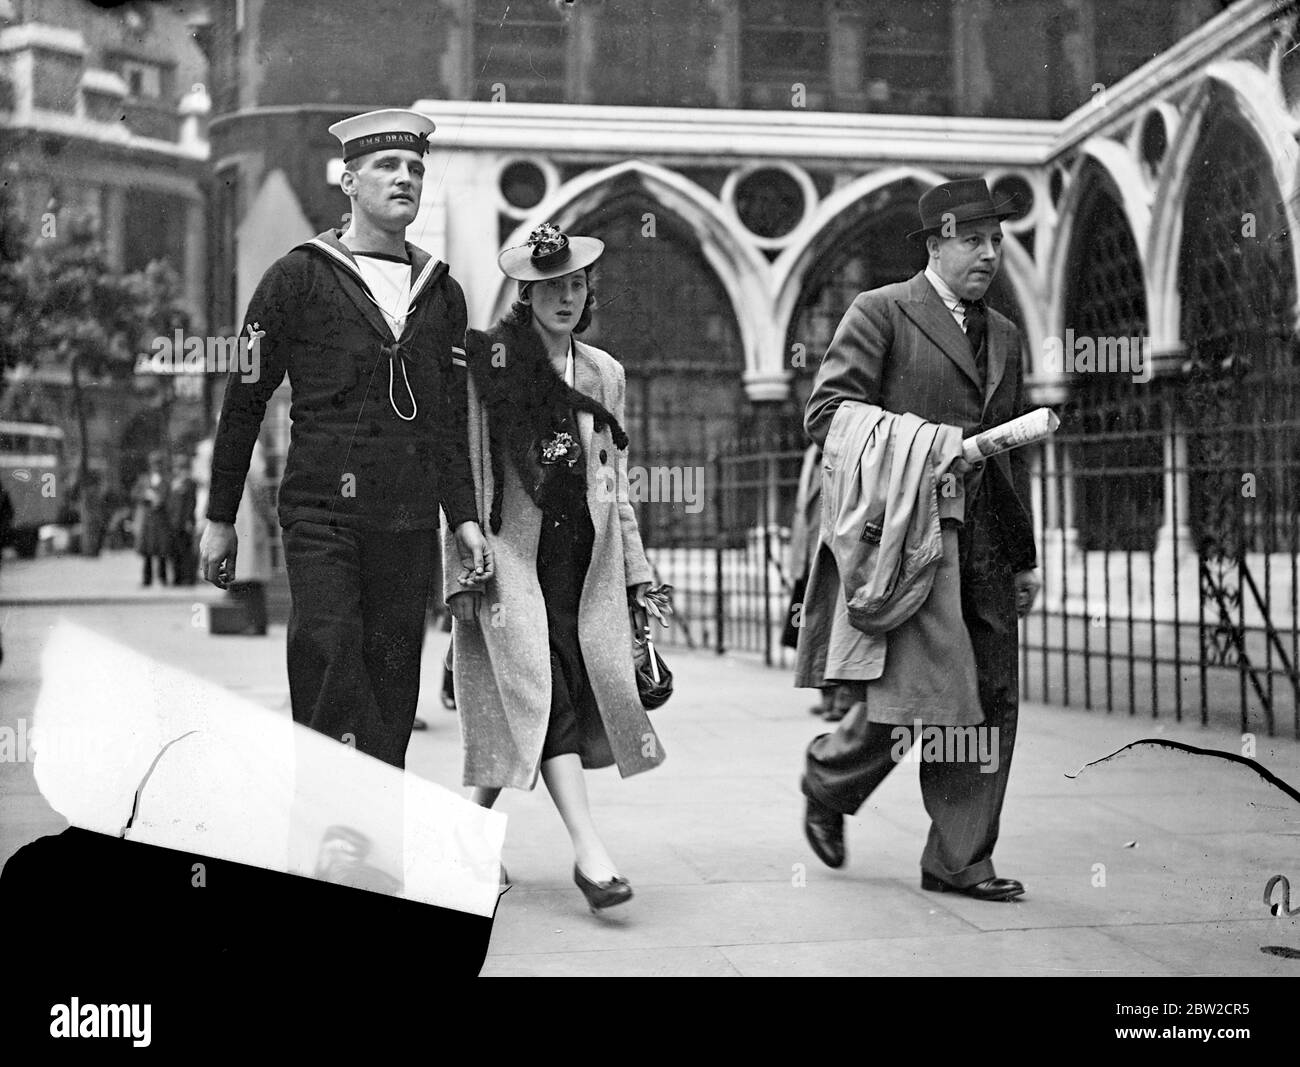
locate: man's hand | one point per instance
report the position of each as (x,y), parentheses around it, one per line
(217,550)
(638,592)
(475,556)
(464,606)
(1027,586)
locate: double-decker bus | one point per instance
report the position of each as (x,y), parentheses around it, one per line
(31,469)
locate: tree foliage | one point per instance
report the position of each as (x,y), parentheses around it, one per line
(67,311)
(13,250)
(76,312)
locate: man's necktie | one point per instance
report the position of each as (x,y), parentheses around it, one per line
(976,328)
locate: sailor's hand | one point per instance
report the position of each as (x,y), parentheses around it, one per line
(1027,586)
(217,550)
(475,556)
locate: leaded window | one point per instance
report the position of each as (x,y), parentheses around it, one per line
(1113,420)
(663,313)
(1237,289)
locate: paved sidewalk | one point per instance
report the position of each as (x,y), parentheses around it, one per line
(1152,864)
(109,578)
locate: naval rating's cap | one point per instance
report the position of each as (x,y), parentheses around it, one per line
(376,131)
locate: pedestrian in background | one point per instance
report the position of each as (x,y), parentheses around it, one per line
(6,527)
(6,520)
(202,474)
(543,668)
(254,526)
(805,532)
(152,533)
(93,519)
(180,521)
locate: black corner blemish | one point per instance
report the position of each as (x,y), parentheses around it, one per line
(1178,746)
(135,806)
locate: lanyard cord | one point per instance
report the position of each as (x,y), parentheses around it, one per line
(393,355)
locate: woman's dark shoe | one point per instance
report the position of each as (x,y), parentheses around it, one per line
(601,895)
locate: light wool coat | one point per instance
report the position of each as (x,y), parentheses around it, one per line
(502,661)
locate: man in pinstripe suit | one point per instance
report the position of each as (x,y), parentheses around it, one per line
(929,346)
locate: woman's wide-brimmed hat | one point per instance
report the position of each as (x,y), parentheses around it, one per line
(959,201)
(549,253)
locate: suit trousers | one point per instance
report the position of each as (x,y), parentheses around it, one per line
(356,632)
(963,797)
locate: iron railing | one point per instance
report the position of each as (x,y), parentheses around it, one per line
(1144,610)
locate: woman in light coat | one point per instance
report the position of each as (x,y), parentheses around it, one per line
(543,654)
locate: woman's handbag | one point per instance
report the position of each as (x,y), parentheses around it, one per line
(654,681)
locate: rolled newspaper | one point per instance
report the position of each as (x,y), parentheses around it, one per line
(1035,426)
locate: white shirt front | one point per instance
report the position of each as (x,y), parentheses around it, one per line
(390,285)
(950,299)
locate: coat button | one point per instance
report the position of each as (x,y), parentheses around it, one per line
(604,456)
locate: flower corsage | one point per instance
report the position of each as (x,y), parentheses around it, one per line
(562,447)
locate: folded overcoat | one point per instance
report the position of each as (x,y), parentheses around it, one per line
(899,347)
(883,602)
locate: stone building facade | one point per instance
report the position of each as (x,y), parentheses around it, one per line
(753,165)
(103,115)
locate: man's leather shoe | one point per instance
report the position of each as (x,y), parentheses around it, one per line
(824,829)
(989,889)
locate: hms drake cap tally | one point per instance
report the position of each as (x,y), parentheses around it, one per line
(376,131)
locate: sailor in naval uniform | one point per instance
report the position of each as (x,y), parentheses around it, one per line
(369,329)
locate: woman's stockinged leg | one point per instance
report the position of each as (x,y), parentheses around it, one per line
(485,796)
(568,788)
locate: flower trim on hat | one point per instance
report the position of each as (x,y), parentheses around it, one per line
(547,239)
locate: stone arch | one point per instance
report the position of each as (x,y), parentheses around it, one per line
(739,267)
(844,207)
(1247,93)
(1100,161)
(1235,292)
(1113,420)
(848,206)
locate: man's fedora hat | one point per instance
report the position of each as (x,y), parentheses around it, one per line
(960,201)
(549,253)
(377,131)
